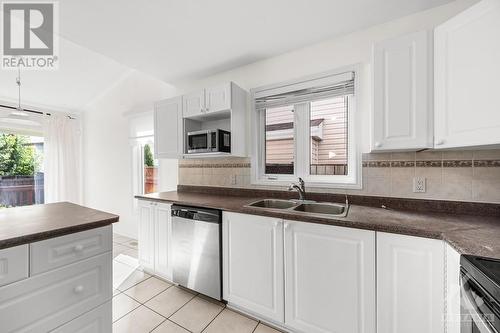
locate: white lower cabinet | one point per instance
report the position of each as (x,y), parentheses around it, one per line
(14,264)
(253,264)
(410,284)
(452,293)
(146,239)
(48,300)
(155,226)
(330,278)
(98,320)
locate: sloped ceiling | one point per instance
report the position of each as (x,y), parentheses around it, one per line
(189,39)
(175,40)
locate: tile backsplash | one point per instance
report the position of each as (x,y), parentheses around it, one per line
(450,175)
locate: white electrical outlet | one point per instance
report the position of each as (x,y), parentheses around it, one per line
(419,184)
(233,179)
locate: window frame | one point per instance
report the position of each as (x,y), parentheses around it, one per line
(301,132)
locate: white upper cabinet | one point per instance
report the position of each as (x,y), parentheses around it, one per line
(410,284)
(330,279)
(253,264)
(168,126)
(467,78)
(218,98)
(402,85)
(224,97)
(194,104)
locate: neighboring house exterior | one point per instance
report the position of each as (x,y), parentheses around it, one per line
(328,138)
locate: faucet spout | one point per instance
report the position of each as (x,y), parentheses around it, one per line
(300,188)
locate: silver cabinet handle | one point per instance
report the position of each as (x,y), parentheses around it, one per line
(378,144)
(440,142)
(78,289)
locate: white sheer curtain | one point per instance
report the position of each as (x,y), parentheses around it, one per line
(62,159)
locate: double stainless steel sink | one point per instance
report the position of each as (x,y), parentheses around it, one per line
(324,209)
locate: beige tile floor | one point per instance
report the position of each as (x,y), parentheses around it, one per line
(143,303)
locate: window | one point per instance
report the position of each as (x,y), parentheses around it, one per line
(307,129)
(150,165)
(21,170)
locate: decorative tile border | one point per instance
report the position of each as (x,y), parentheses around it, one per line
(214,166)
(486,163)
(432,164)
(429,164)
(457,164)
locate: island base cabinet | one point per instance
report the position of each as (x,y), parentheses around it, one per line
(410,284)
(329,279)
(253,264)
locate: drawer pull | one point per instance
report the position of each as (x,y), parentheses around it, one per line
(78,248)
(78,289)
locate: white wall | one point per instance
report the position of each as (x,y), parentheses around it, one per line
(107,175)
(329,55)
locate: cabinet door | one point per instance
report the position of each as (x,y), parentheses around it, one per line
(98,320)
(14,264)
(330,278)
(168,128)
(163,230)
(146,235)
(467,77)
(253,264)
(410,284)
(452,293)
(194,103)
(218,98)
(402,109)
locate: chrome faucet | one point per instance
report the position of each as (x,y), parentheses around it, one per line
(300,187)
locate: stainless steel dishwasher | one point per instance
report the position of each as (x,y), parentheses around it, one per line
(196,249)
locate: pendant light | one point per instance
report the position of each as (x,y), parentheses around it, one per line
(19,110)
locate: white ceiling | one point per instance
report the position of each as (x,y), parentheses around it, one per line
(83,75)
(189,39)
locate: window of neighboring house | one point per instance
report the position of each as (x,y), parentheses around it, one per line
(306,129)
(21,170)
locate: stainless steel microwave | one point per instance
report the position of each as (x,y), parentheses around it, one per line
(209,141)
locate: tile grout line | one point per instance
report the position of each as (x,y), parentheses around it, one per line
(211,321)
(129,311)
(183,305)
(171,285)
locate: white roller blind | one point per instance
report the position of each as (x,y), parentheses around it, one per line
(306,91)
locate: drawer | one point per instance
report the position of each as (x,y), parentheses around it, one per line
(48,300)
(60,251)
(13,264)
(99,320)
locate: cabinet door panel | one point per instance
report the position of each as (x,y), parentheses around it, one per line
(402,109)
(168,128)
(14,263)
(98,320)
(330,278)
(467,77)
(163,230)
(146,239)
(218,98)
(253,264)
(194,103)
(410,284)
(48,300)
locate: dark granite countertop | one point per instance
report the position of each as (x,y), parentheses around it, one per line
(21,225)
(468,234)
